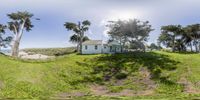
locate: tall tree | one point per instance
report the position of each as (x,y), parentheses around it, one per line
(20,22)
(117,32)
(173,31)
(180,45)
(153,46)
(76,39)
(133,31)
(165,39)
(80,28)
(187,37)
(193,35)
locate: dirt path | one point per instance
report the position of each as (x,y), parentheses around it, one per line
(189,87)
(101,90)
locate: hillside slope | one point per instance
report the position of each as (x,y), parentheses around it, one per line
(127,76)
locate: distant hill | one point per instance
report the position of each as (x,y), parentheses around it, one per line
(50,51)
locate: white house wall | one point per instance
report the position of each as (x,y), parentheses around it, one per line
(105,50)
(118,49)
(91,49)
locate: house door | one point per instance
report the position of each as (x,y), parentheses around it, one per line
(110,48)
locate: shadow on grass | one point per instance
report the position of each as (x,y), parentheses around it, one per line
(64,53)
(183,52)
(119,66)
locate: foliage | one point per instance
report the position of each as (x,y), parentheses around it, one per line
(137,45)
(179,38)
(121,75)
(131,31)
(75,39)
(18,19)
(192,35)
(2,28)
(4,40)
(153,46)
(79,30)
(168,35)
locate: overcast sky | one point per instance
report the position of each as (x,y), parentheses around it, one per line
(50,32)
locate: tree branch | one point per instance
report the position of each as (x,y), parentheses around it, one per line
(15,29)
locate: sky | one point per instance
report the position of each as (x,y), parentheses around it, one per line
(50,32)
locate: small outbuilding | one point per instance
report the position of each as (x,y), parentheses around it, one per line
(98,47)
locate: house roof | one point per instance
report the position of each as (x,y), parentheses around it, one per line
(92,42)
(114,43)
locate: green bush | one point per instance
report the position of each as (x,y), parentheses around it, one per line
(120,76)
(115,89)
(156,73)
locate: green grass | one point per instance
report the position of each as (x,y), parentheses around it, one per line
(72,73)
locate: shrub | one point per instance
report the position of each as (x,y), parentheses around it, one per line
(115,89)
(120,76)
(156,73)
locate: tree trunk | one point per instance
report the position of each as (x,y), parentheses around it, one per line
(120,40)
(199,46)
(123,47)
(81,41)
(173,44)
(196,48)
(195,44)
(77,47)
(15,48)
(191,47)
(17,38)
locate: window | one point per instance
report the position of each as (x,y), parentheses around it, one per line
(104,47)
(86,47)
(95,47)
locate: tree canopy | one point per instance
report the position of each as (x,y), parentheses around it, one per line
(131,31)
(79,29)
(19,18)
(4,40)
(179,38)
(75,38)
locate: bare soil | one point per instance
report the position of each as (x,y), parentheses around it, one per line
(149,90)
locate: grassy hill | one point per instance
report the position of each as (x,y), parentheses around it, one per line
(121,76)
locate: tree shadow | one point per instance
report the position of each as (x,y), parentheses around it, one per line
(64,53)
(183,52)
(120,65)
(187,52)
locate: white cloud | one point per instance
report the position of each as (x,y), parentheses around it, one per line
(122,14)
